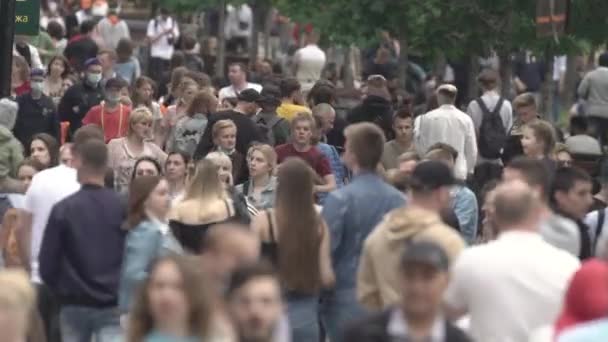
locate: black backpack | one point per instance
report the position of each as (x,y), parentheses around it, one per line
(266,129)
(492,135)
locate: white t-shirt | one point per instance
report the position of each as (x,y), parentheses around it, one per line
(47,189)
(310,61)
(162,48)
(510,286)
(230,91)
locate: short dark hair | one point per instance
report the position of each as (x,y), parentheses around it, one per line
(603,59)
(535,173)
(366,140)
(289,86)
(578,123)
(244,274)
(152,160)
(87,26)
(55,30)
(322,93)
(86,133)
(566,177)
(189,42)
(94,155)
(402,113)
(488,78)
(242,66)
(116,83)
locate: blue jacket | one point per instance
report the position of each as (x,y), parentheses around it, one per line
(144,244)
(464,204)
(351,213)
(337,168)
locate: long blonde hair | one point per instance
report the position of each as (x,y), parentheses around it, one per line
(205,184)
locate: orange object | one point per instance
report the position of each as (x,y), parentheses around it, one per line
(86,4)
(65,125)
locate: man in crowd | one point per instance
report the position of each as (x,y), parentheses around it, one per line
(112,29)
(376,106)
(423,276)
(107,58)
(49,187)
(82,248)
(351,214)
(490,103)
(291,97)
(302,127)
(37,113)
(403,129)
(309,61)
(327,114)
(237,74)
(463,202)
(377,283)
(81,97)
(111,115)
(162,32)
(277,129)
(447,124)
(572,198)
(246,130)
(556,230)
(594,89)
(516,283)
(254,299)
(82,47)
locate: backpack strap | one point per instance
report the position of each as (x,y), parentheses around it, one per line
(601,218)
(484,108)
(246,188)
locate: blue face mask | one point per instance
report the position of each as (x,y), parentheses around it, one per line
(37,87)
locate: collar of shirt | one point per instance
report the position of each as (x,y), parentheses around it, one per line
(270,187)
(515,235)
(397,327)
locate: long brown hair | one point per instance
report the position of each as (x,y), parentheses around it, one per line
(139,191)
(298,224)
(198,296)
(140,82)
(203,102)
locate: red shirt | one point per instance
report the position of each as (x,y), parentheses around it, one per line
(110,121)
(313,157)
(24,88)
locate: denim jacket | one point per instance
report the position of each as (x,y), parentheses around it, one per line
(148,241)
(267,196)
(464,204)
(351,213)
(337,168)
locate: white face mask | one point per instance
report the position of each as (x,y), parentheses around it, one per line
(94,79)
(37,87)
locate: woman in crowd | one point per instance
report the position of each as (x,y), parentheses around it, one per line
(12,255)
(123,152)
(538,142)
(171,90)
(224,141)
(176,172)
(126,66)
(206,202)
(57,71)
(190,128)
(45,149)
(149,235)
(146,166)
(261,186)
(19,320)
(65,154)
(20,76)
(296,239)
(144,89)
(187,91)
(174,304)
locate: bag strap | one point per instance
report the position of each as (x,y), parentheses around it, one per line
(601,218)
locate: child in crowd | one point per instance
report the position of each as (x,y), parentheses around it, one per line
(224,140)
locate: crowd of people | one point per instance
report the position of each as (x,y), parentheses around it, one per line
(176,208)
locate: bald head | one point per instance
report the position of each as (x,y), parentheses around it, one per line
(517,206)
(327,114)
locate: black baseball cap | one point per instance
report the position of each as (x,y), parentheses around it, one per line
(249,95)
(425,252)
(431,175)
(270,95)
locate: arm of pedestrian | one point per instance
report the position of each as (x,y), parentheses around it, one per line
(24,238)
(368,293)
(330,184)
(328,277)
(333,214)
(51,249)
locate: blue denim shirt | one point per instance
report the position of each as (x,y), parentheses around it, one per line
(143,245)
(351,213)
(464,204)
(266,198)
(337,168)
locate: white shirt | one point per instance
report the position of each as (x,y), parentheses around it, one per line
(451,126)
(47,189)
(161,48)
(236,16)
(231,92)
(310,61)
(510,286)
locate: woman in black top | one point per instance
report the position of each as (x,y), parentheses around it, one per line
(296,239)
